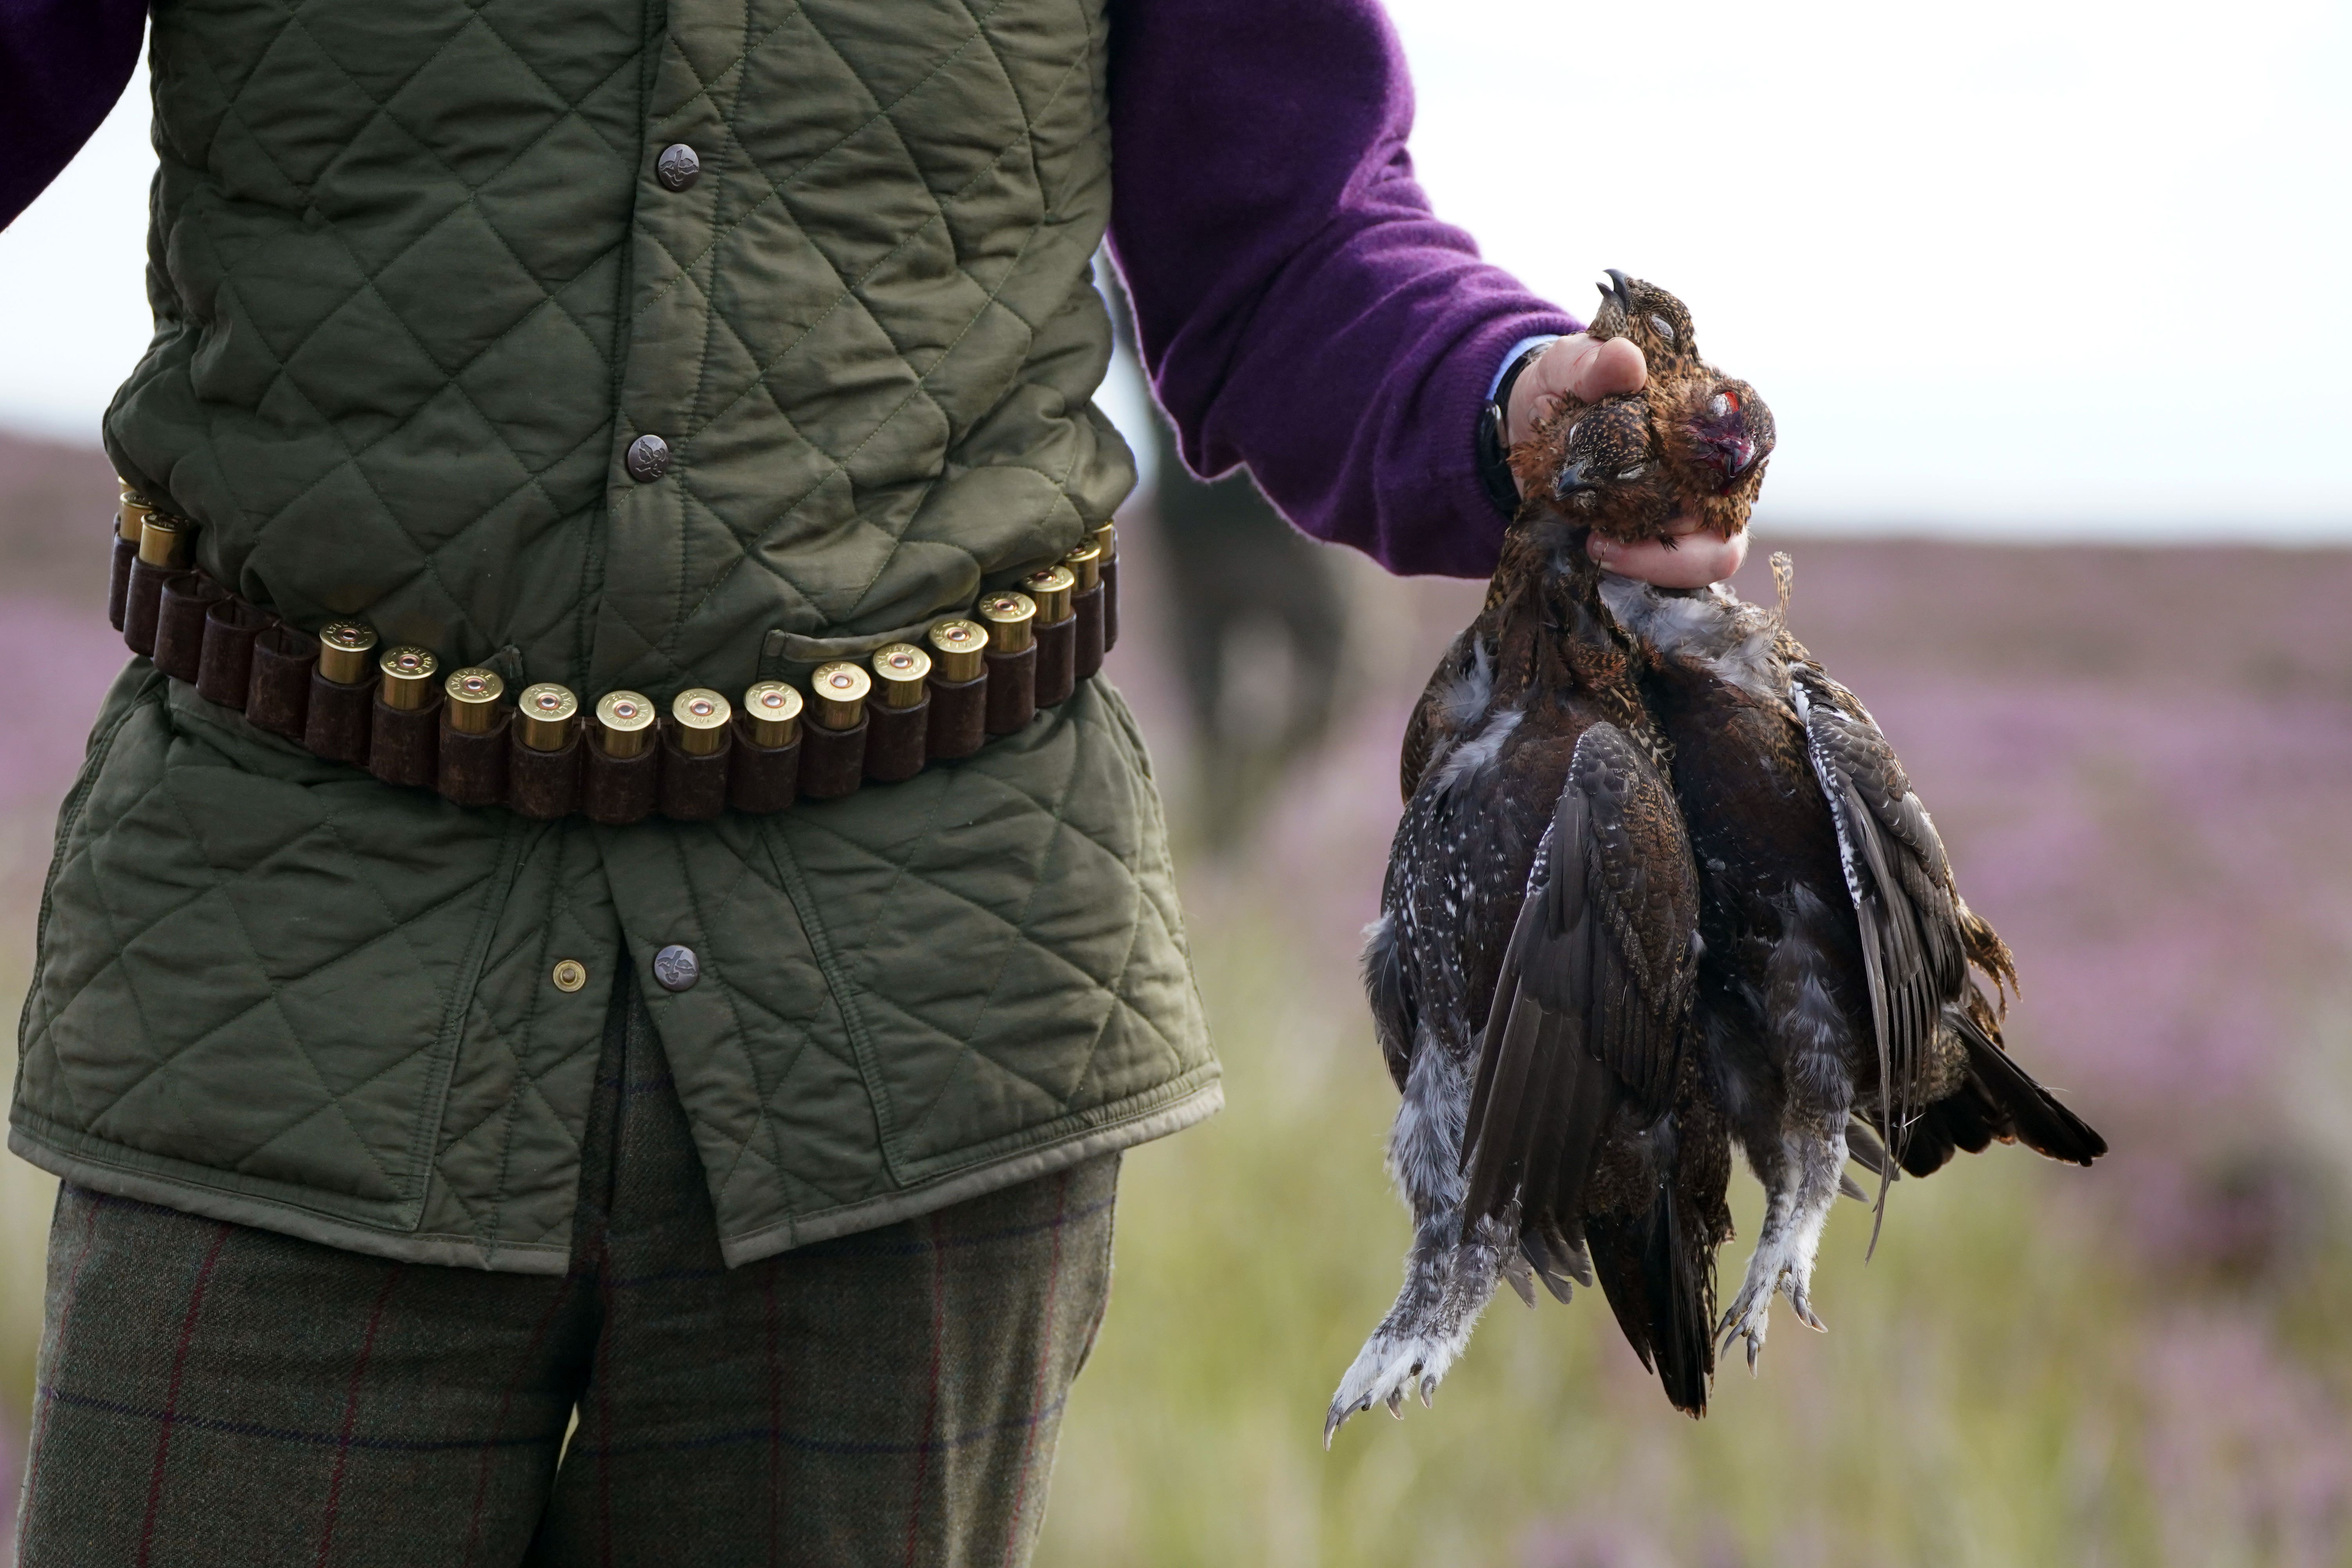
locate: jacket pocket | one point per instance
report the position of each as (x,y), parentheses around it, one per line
(249,966)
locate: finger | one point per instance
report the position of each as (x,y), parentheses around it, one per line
(1573,367)
(1693,561)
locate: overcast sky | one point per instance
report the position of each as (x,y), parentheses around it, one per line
(2021,267)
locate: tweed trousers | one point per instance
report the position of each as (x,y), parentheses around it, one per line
(214,1394)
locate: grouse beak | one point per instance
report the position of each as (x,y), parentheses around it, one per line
(1742,453)
(1570,481)
(1617,287)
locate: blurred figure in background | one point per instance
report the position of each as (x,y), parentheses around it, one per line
(1261,632)
(1258,618)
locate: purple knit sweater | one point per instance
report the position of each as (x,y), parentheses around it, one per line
(1301,310)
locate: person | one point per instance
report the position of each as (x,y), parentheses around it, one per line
(650,350)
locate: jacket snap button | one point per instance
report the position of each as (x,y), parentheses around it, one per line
(647,459)
(676,968)
(677,167)
(570,975)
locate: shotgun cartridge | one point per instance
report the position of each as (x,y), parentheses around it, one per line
(1009,619)
(474,696)
(774,708)
(626,719)
(131,516)
(163,543)
(1051,589)
(547,714)
(408,672)
(959,645)
(840,689)
(899,671)
(343,650)
(1107,541)
(1085,563)
(701,716)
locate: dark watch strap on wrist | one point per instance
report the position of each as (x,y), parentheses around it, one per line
(1494,465)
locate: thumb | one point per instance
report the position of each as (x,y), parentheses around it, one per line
(1575,367)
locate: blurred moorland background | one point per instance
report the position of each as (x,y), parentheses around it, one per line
(2004,270)
(2139,758)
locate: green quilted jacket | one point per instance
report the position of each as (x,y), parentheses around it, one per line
(422,275)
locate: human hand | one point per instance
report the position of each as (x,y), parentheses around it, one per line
(1571,367)
(1689,560)
(1587,371)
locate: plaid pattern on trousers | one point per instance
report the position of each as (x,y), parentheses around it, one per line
(210,1393)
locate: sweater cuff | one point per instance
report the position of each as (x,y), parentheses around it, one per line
(1464,384)
(1511,356)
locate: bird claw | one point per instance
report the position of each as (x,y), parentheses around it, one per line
(1769,1274)
(1390,1366)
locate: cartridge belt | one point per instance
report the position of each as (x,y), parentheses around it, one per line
(394,712)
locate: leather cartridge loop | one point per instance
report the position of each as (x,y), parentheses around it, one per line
(1012,689)
(338,724)
(765,778)
(472,765)
(225,665)
(936,693)
(618,791)
(833,762)
(1086,611)
(118,582)
(544,784)
(179,624)
(277,693)
(1107,568)
(897,741)
(958,724)
(694,783)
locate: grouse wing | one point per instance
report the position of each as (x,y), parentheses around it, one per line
(1593,992)
(1901,883)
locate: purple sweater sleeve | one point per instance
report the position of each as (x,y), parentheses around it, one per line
(62,65)
(1299,308)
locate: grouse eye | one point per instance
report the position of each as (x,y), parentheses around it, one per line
(1720,406)
(1665,328)
(1634,472)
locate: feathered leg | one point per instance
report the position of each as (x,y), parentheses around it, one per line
(1799,1155)
(1447,1281)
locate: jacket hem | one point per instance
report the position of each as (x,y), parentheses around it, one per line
(286,1219)
(912,1203)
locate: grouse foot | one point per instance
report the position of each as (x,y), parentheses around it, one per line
(1393,1363)
(1446,1288)
(1782,1263)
